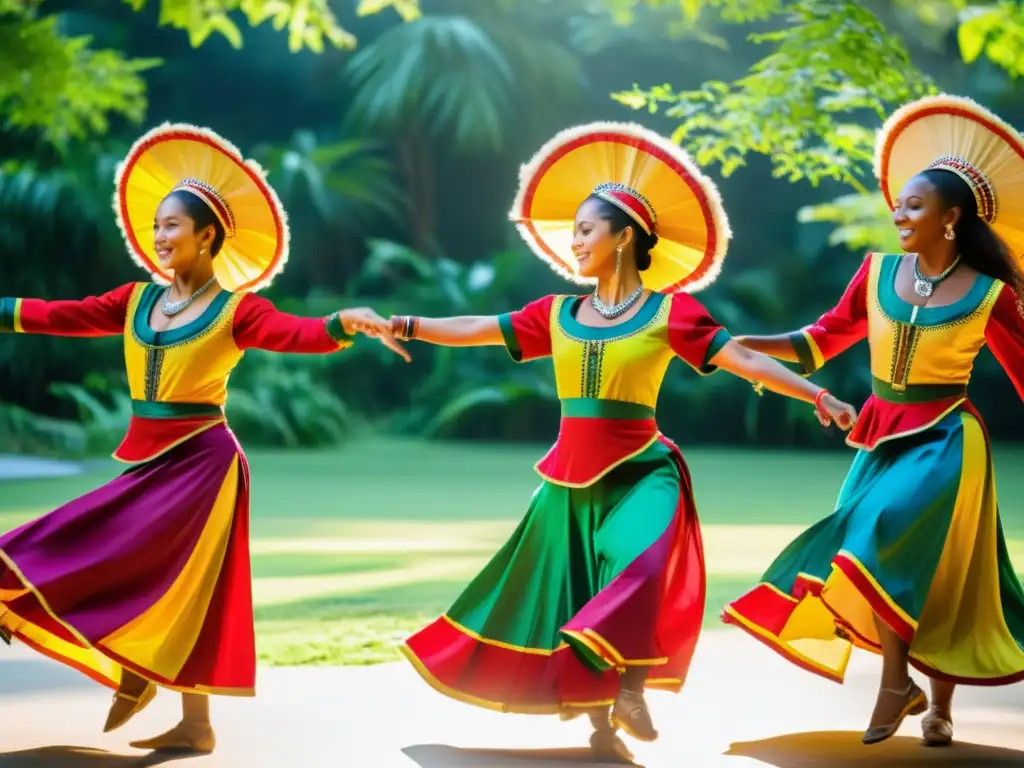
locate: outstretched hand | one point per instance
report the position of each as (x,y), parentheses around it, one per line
(832,410)
(367,322)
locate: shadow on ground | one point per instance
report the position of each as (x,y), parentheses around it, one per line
(843,749)
(442,756)
(81,757)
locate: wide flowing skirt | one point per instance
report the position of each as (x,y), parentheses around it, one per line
(149,573)
(916,539)
(593,580)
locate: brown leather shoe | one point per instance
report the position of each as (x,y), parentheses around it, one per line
(126,706)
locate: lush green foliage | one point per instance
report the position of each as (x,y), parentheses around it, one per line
(52,83)
(61,87)
(396,164)
(831,61)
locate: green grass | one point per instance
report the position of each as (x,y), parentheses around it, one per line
(353,549)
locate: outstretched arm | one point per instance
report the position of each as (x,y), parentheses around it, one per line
(1005,336)
(525,333)
(258,324)
(464,331)
(102,315)
(834,332)
(697,338)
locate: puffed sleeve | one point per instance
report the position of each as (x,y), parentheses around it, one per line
(838,329)
(694,334)
(527,331)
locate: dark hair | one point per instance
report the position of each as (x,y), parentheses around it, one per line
(203,216)
(979,246)
(619,220)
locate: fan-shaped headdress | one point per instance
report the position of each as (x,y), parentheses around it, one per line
(960,136)
(653,180)
(196,160)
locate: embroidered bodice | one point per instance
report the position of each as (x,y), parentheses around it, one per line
(921,357)
(177,378)
(608,378)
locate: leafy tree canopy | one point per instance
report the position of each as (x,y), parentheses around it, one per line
(64,89)
(830,74)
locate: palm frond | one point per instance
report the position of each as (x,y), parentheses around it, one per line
(443,74)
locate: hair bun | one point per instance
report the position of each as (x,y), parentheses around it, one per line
(645,244)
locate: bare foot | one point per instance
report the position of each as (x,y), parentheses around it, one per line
(184,737)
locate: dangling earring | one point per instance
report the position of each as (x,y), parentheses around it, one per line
(618,258)
(950,234)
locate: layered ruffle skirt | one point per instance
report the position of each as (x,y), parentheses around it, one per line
(149,573)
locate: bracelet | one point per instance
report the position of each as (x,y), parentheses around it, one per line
(818,398)
(404,327)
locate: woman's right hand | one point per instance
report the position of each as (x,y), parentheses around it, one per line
(830,409)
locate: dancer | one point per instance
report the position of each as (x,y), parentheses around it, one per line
(599,593)
(145,582)
(913,564)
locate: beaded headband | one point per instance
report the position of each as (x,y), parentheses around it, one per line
(212,198)
(631,202)
(984,192)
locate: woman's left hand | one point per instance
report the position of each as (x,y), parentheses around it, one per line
(831,409)
(364,320)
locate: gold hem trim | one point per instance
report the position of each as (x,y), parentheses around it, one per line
(199,689)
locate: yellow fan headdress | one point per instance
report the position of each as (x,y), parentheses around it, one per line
(958,135)
(653,180)
(196,160)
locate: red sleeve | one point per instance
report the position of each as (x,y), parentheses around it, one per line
(94,316)
(1005,336)
(693,334)
(260,325)
(527,331)
(838,329)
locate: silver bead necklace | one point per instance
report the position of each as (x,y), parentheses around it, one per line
(924,286)
(610,313)
(172,308)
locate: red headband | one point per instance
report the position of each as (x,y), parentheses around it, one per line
(984,194)
(212,198)
(630,201)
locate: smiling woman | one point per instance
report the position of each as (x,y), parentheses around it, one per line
(599,594)
(912,564)
(145,582)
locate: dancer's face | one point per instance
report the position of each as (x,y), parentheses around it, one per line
(594,244)
(920,216)
(177,242)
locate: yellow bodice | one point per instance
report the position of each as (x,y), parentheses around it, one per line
(625,363)
(912,345)
(190,364)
